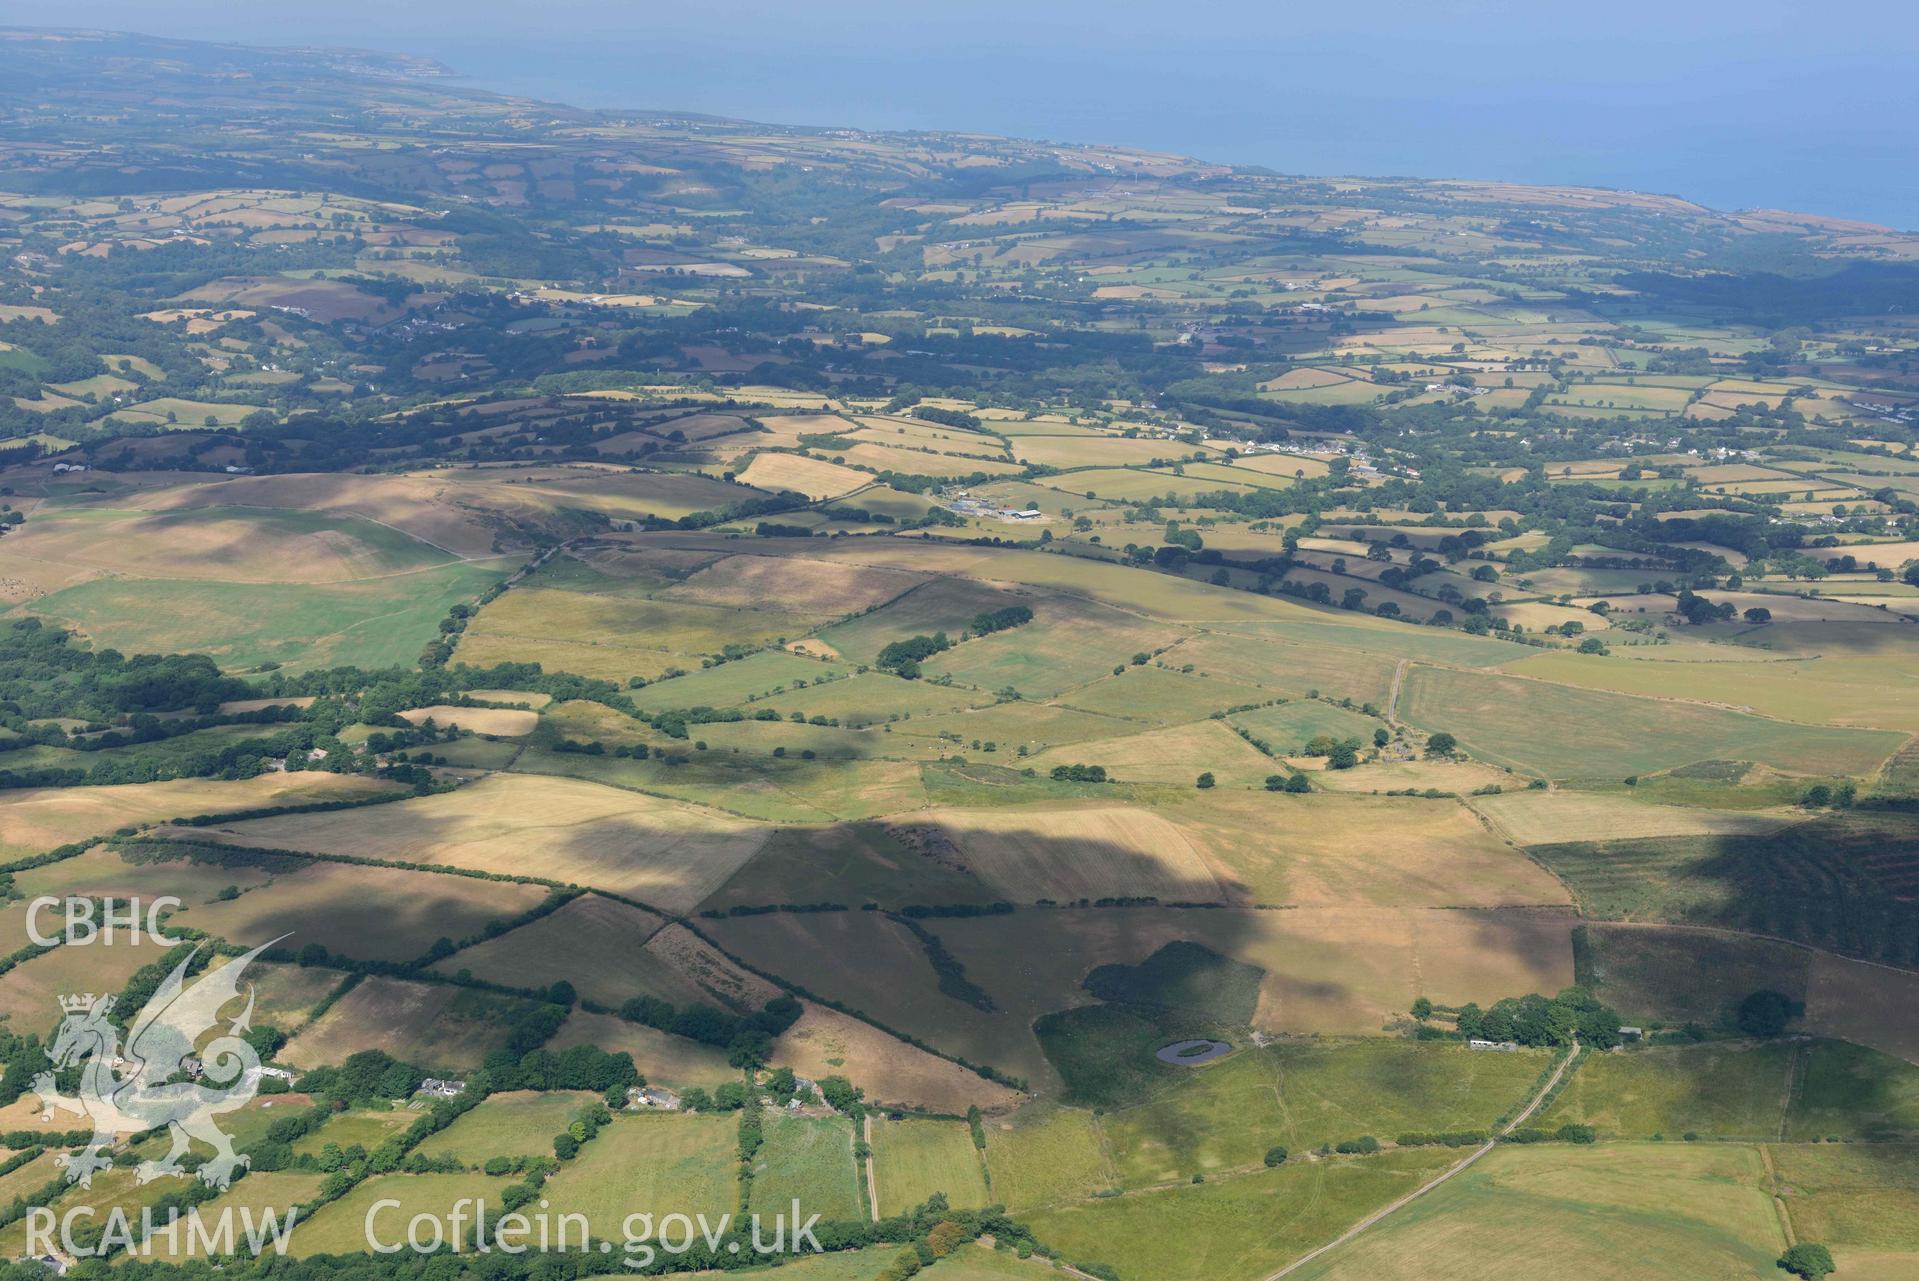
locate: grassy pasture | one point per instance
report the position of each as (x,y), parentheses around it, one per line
(1067,644)
(1524,722)
(1834,690)
(1290,726)
(1159,695)
(614,634)
(240,544)
(1851,1194)
(341,1227)
(662,1164)
(944,604)
(1045,1156)
(1223,1116)
(373,623)
(1731,1090)
(1848,1091)
(1250,1226)
(1625,1210)
(732,683)
(808,1159)
(512,1123)
(913,1158)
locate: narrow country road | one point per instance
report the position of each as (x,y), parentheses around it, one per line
(872,1184)
(1429,1185)
(1392,699)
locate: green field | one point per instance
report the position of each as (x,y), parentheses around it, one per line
(1736,1090)
(1301,1095)
(1046,1157)
(809,1160)
(1631,1210)
(659,1164)
(1563,732)
(1239,1228)
(913,1159)
(377,623)
(520,1123)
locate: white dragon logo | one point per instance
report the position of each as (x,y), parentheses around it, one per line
(131,1094)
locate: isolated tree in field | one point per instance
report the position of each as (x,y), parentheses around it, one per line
(1807,1259)
(1275,1157)
(1764,1014)
(1297,783)
(1422,1009)
(1205,780)
(1759,614)
(1441,744)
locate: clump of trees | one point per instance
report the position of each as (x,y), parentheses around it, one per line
(903,657)
(1537,1020)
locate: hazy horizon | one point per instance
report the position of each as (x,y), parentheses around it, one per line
(1731,106)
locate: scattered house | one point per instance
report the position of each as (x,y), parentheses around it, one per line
(803,1088)
(193,1067)
(1631,1033)
(439,1089)
(318,754)
(278,1073)
(655,1096)
(1503,1047)
(54,1263)
(69,467)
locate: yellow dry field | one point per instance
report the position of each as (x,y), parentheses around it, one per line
(1381,851)
(826,1042)
(366,913)
(30,997)
(1073,852)
(33,820)
(662,1058)
(914,462)
(425,507)
(1865,1003)
(1389,776)
(500,722)
(793,584)
(410,1021)
(1177,755)
(596,944)
(812,477)
(1546,818)
(662,852)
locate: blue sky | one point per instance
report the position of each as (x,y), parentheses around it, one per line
(1759,103)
